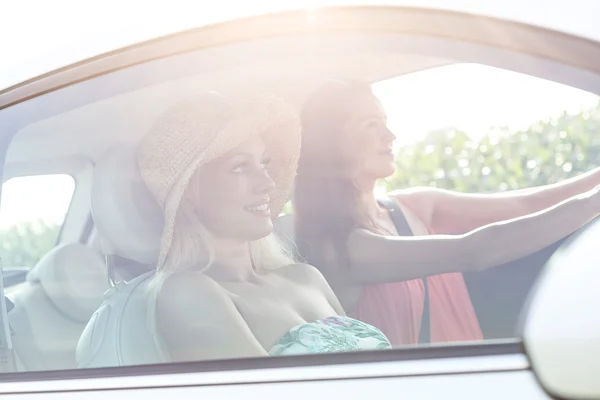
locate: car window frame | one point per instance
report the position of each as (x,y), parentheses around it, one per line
(294,23)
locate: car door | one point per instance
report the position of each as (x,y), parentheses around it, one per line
(113,98)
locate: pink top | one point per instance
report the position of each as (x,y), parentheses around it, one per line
(396,308)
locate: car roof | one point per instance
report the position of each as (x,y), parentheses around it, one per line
(48,43)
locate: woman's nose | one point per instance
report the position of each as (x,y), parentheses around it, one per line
(388,135)
(264,183)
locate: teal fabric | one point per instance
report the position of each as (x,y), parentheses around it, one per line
(330,335)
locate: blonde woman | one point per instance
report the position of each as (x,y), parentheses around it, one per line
(221,171)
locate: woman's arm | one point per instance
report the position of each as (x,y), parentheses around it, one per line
(376,258)
(444,210)
(197,321)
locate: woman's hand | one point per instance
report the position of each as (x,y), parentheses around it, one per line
(593,197)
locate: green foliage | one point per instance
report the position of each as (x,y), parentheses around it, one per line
(24,244)
(547,152)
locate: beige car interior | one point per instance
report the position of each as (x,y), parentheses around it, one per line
(53,306)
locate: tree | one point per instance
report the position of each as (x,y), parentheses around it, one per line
(547,152)
(23,245)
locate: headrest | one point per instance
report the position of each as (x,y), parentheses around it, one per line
(74,278)
(126,215)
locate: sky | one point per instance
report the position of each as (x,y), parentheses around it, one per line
(470,97)
(473,98)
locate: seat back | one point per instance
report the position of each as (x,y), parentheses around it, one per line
(129,223)
(118,333)
(53,306)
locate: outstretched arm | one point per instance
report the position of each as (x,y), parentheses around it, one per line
(451,212)
(377,258)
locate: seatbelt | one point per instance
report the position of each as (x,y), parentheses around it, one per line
(7,357)
(403,229)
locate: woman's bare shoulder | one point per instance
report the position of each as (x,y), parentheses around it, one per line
(413,196)
(301,273)
(189,283)
(186,288)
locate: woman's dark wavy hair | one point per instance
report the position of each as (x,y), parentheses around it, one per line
(327,204)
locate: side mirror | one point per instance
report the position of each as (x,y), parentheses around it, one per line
(561,326)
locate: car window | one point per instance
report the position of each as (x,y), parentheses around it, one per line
(472,128)
(475,128)
(159,203)
(31,216)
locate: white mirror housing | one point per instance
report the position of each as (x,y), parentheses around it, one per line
(562,322)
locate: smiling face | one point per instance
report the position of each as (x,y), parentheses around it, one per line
(367,142)
(231,193)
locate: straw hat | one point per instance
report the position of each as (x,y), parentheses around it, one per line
(199,130)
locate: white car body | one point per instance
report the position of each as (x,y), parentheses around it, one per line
(559,351)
